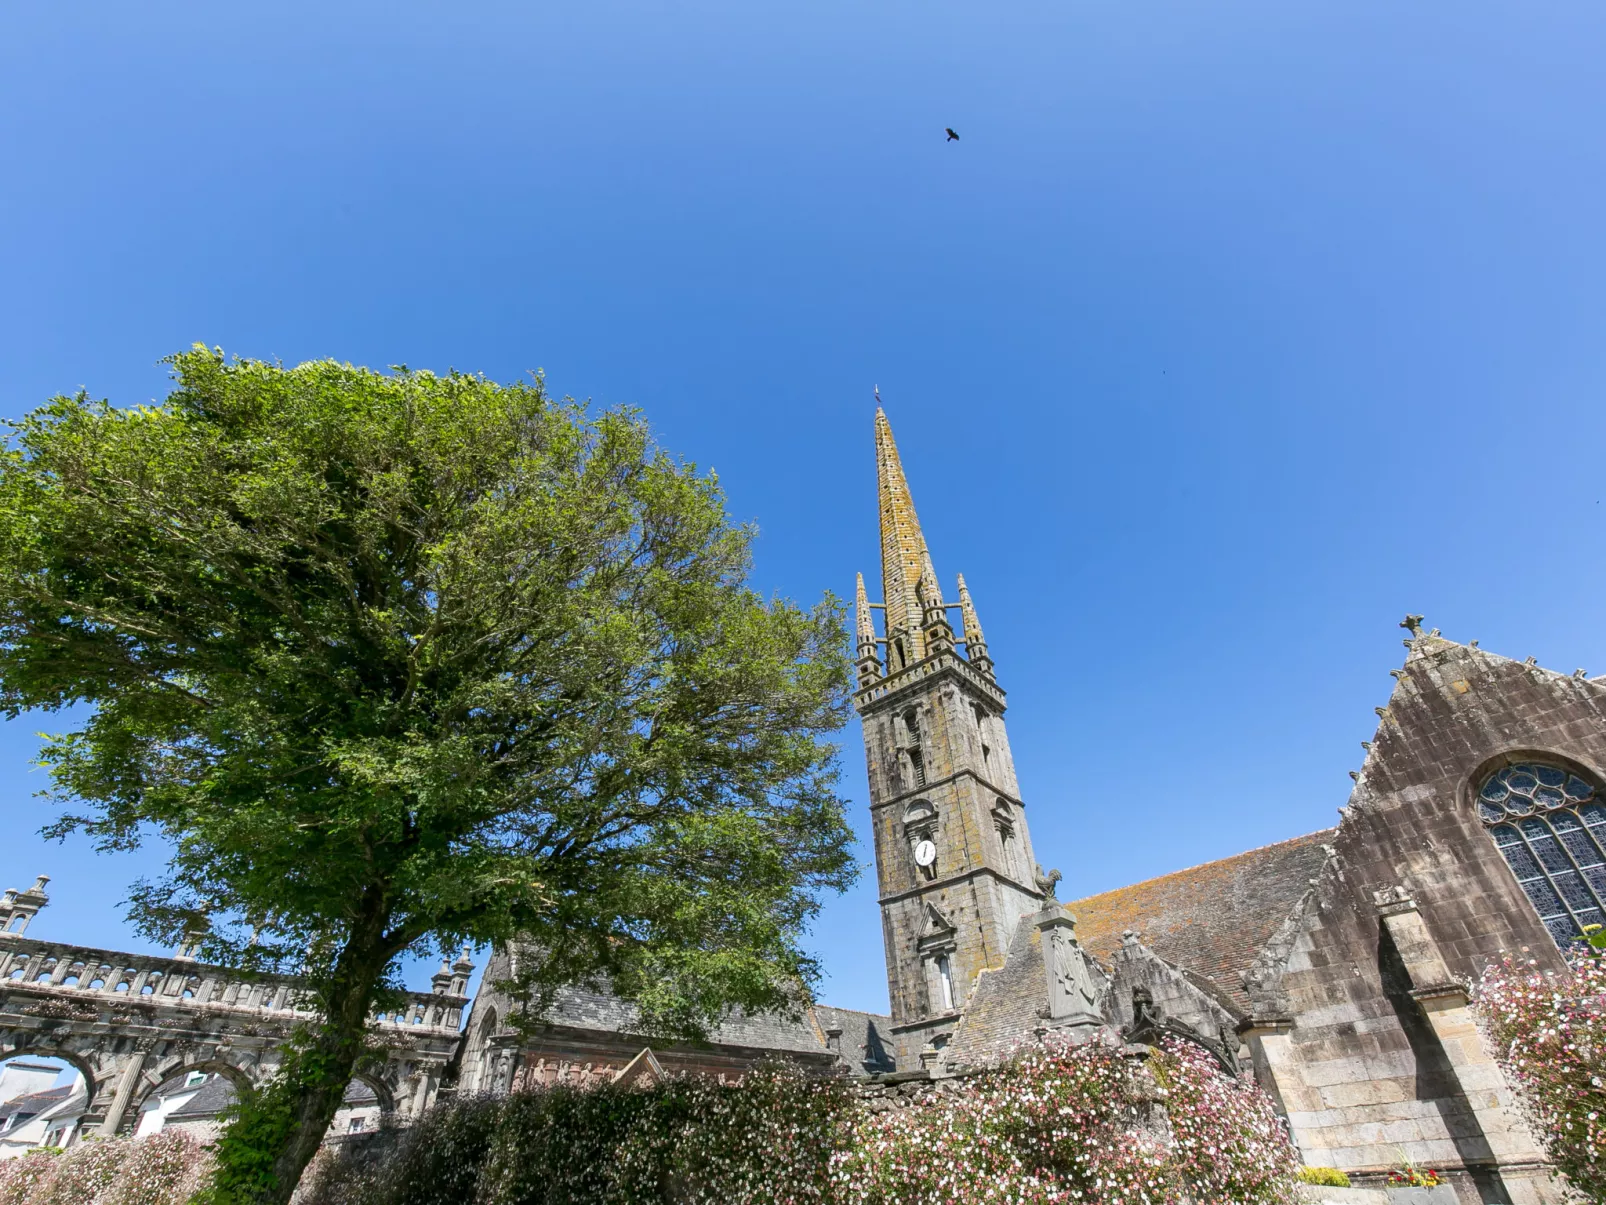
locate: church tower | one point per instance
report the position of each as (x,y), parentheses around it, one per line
(954,861)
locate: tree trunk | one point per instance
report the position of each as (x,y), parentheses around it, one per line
(322,1069)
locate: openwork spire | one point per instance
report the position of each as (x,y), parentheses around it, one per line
(869,663)
(903,551)
(975,642)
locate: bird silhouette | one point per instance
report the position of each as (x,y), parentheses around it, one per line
(952,137)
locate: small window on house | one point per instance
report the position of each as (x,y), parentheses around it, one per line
(356,1124)
(1550,827)
(195,1079)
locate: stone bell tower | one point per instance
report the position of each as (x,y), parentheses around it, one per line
(954,861)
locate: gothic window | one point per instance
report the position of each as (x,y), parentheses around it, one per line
(981,729)
(1551,827)
(899,657)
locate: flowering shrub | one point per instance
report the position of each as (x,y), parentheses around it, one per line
(1548,1032)
(1231,1145)
(1077,1123)
(84,1173)
(165,1169)
(21,1178)
(1059,1124)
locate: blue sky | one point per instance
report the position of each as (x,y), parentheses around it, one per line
(1224,335)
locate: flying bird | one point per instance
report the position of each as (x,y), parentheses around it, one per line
(952,137)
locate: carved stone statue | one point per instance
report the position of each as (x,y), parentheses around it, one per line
(1045,882)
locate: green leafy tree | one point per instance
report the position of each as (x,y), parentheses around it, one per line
(397,661)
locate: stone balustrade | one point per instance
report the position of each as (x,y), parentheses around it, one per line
(65,971)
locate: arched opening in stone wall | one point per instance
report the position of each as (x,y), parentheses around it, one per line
(368,1105)
(43,1097)
(191,1096)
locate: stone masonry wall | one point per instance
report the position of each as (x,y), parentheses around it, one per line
(1379,1066)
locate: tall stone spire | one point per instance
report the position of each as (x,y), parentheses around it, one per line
(903,552)
(975,642)
(869,663)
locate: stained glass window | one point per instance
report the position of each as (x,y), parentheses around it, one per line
(1551,828)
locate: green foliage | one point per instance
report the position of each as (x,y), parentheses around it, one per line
(397,661)
(1059,1125)
(1325,1177)
(257,1126)
(769,1141)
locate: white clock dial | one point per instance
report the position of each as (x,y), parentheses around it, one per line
(925,853)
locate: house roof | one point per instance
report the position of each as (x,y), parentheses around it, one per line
(1210,919)
(210,1099)
(35,1103)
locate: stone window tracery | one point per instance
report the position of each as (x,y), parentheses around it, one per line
(1550,826)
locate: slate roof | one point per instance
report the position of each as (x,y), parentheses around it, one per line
(34,1103)
(210,1099)
(866,1040)
(1210,919)
(581,1008)
(1002,1011)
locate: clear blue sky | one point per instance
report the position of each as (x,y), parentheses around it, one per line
(1225,334)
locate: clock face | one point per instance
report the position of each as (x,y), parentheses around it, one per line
(925,853)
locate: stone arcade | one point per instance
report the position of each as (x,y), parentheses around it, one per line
(1332,966)
(132,1023)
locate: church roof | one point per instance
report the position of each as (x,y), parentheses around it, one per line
(865,1042)
(582,1008)
(1003,1009)
(1210,919)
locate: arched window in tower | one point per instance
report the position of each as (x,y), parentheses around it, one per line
(980,713)
(917,757)
(945,982)
(899,657)
(1004,825)
(1551,827)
